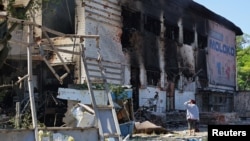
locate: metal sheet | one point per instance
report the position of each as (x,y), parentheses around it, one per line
(82,95)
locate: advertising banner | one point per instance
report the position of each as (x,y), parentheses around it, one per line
(221,53)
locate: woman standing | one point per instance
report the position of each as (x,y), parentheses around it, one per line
(193,115)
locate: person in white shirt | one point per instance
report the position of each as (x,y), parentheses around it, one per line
(192,115)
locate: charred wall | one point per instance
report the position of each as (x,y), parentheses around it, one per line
(179,30)
(144,48)
(140,39)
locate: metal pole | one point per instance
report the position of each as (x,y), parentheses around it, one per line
(30,84)
(17,120)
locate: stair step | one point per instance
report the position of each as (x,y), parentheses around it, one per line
(108,107)
(106,135)
(106,114)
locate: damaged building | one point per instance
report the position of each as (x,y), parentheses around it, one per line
(178,49)
(182,50)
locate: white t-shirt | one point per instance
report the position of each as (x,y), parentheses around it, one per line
(192,111)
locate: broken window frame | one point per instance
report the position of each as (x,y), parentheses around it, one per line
(153,77)
(152,24)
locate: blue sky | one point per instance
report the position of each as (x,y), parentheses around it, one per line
(236,11)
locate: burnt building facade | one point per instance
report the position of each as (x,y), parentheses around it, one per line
(183,49)
(177,48)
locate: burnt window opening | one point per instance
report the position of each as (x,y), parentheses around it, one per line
(125,39)
(171,32)
(19,12)
(201,67)
(172,75)
(201,30)
(59,16)
(171,61)
(152,25)
(153,77)
(202,41)
(131,23)
(188,37)
(3,31)
(219,99)
(131,19)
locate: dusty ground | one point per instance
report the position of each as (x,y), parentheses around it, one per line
(173,134)
(176,130)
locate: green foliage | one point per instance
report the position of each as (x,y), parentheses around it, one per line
(243,62)
(84,86)
(25,122)
(119,91)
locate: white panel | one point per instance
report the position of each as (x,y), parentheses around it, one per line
(82,95)
(146,94)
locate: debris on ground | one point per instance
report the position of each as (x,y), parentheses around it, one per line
(149,128)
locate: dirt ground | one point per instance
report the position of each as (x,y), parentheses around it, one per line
(176,128)
(172,134)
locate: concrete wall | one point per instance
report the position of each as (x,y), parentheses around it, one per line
(242,103)
(181,97)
